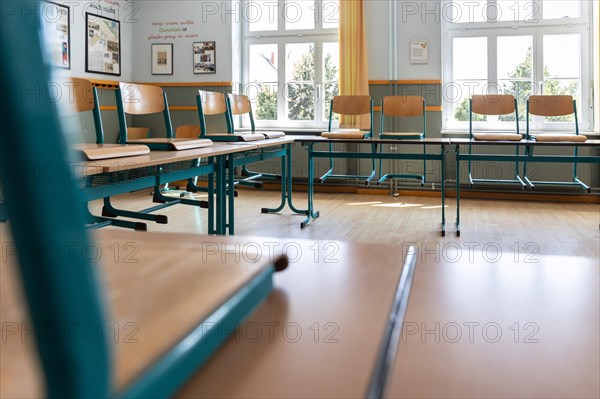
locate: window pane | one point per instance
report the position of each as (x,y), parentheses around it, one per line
(558,9)
(515,70)
(469,58)
(300,76)
(299,14)
(331,14)
(517,10)
(562,68)
(262,80)
(261,15)
(468,11)
(469,73)
(331,75)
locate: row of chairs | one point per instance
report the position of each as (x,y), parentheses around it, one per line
(538,105)
(484,105)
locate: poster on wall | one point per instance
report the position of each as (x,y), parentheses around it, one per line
(102,45)
(205,57)
(419,51)
(162,59)
(57,34)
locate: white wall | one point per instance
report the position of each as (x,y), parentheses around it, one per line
(190,21)
(412,20)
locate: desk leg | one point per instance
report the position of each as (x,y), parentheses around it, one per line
(220,194)
(289,183)
(311,173)
(283,187)
(230,218)
(211,197)
(457,157)
(443,166)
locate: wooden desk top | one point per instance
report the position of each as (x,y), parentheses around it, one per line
(162,157)
(588,143)
(428,140)
(318,334)
(157,288)
(505,329)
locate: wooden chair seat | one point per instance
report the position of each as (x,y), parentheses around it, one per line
(401,135)
(154,298)
(235,136)
(271,135)
(560,137)
(497,136)
(95,152)
(345,134)
(177,144)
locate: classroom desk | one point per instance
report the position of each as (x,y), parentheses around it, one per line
(144,171)
(374,143)
(529,156)
(500,325)
(125,174)
(319,333)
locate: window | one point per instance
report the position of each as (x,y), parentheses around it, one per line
(518,47)
(291,60)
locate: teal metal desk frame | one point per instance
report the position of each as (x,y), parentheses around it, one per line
(261,154)
(529,157)
(374,154)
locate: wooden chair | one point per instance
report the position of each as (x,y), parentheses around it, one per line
(551,106)
(79,290)
(402,107)
(136,99)
(494,104)
(352,110)
(239,105)
(84,98)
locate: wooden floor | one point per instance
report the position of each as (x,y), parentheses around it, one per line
(500,227)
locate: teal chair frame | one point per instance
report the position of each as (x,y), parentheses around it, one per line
(529,151)
(368,134)
(56,291)
(517,178)
(382,135)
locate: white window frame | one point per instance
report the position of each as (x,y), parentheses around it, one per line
(537,29)
(281,37)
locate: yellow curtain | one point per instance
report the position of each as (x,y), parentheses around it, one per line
(354,76)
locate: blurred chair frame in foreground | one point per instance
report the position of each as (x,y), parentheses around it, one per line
(550,106)
(402,107)
(350,107)
(495,105)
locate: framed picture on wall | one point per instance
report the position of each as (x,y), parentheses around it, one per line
(162,59)
(205,60)
(57,33)
(102,45)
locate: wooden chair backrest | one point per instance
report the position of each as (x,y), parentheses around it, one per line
(80,94)
(493,104)
(213,103)
(188,131)
(402,106)
(137,132)
(555,105)
(352,105)
(240,104)
(141,99)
